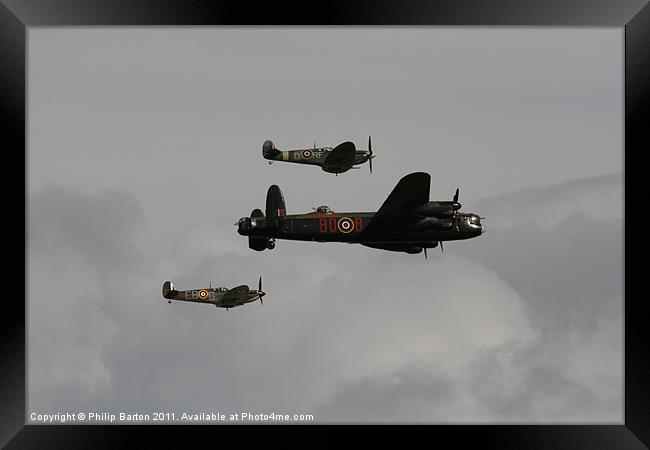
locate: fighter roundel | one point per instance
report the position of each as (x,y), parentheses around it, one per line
(306,154)
(203,294)
(345,225)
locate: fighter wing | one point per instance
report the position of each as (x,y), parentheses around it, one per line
(342,155)
(236,293)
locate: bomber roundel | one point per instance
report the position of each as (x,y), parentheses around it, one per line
(345,225)
(306,154)
(203,294)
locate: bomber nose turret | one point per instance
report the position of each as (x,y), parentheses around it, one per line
(474,221)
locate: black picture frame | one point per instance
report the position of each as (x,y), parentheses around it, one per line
(16,16)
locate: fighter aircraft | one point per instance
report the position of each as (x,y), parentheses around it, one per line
(220,297)
(406,222)
(335,160)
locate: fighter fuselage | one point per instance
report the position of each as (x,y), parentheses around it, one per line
(319,156)
(212,296)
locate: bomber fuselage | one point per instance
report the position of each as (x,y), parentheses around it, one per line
(351,227)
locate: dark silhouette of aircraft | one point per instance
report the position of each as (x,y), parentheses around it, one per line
(220,297)
(406,222)
(336,160)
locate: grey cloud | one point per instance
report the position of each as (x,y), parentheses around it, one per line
(138,168)
(409,395)
(97,225)
(569,276)
(600,197)
(514,382)
(318,325)
(569,272)
(538,382)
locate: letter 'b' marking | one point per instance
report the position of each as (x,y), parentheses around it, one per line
(345,225)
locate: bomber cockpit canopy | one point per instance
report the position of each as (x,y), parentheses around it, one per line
(324,209)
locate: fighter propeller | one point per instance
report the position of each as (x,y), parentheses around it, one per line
(260,292)
(370,156)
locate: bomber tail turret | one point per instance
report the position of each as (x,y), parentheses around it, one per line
(272,220)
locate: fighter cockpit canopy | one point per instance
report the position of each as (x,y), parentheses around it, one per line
(324,209)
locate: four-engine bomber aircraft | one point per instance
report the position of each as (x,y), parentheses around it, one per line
(406,222)
(220,297)
(336,160)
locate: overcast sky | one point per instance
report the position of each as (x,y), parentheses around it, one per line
(144,148)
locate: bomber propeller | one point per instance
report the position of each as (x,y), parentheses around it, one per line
(456,207)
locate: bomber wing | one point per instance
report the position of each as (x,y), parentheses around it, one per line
(342,155)
(411,191)
(235,294)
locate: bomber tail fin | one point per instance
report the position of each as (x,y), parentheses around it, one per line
(275,207)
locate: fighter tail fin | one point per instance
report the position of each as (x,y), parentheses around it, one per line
(269,151)
(168,290)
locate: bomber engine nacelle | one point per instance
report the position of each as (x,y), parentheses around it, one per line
(437,209)
(433,223)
